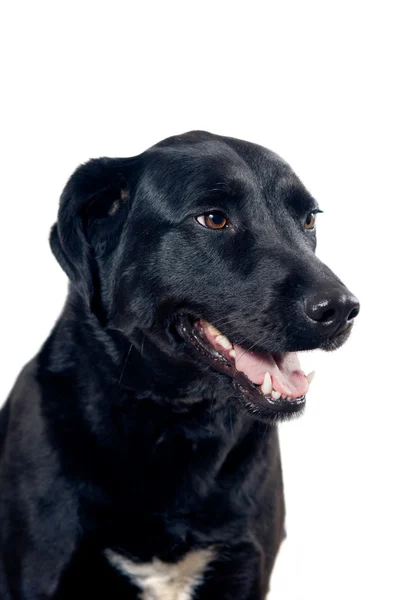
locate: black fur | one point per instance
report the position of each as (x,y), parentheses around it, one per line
(117,435)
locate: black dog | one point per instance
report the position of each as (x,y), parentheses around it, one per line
(139,456)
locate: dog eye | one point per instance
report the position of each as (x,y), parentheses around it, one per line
(213,220)
(310,220)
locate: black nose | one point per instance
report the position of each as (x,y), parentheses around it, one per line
(332,309)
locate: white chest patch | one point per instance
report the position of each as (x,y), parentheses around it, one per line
(165,581)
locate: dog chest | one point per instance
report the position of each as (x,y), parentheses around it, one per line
(159,580)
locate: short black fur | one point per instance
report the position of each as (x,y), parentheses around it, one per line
(117,435)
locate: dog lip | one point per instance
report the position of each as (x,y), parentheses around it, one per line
(252,395)
(335,342)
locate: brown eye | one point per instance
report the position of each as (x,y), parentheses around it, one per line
(309,222)
(213,220)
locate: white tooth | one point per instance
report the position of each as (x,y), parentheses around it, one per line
(232,353)
(276,395)
(284,397)
(213,330)
(310,376)
(209,327)
(224,342)
(266,387)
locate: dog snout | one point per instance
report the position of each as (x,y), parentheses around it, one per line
(332,309)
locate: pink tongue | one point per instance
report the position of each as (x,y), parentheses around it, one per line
(286,374)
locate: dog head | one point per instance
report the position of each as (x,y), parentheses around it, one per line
(206,245)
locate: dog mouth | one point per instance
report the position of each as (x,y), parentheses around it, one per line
(267,382)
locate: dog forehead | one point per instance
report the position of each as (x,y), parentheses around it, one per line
(221,157)
(187,175)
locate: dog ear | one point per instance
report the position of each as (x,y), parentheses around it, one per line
(96,191)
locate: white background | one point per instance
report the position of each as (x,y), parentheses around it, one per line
(315,82)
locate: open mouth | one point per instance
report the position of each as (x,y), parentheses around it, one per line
(267,382)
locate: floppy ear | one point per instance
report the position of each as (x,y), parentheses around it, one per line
(95,191)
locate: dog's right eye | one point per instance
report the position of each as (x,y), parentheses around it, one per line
(213,220)
(310,220)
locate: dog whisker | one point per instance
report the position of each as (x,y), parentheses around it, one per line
(125,363)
